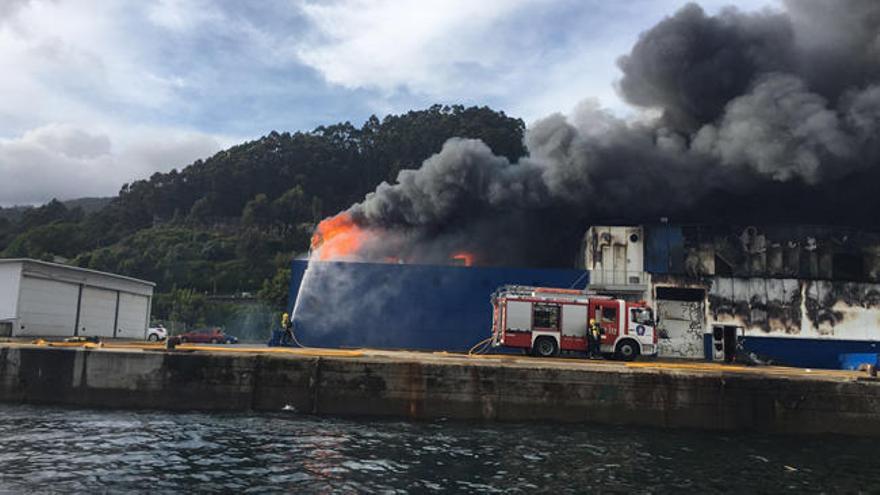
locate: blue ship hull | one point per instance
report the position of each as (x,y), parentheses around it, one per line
(441,308)
(807,352)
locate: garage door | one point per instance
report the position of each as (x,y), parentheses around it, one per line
(682,325)
(97,312)
(48,308)
(132,316)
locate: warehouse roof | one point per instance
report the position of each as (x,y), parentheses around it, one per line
(75,269)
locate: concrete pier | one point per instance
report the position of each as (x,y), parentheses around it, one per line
(432,385)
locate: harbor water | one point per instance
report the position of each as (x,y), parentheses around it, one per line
(80,450)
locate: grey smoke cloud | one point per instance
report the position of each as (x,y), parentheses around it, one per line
(690,65)
(783,131)
(756,108)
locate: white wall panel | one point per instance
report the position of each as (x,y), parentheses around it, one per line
(10,279)
(47,307)
(97,312)
(132,316)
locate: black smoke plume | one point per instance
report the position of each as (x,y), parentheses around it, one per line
(763,117)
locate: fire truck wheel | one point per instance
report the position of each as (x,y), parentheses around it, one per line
(545,347)
(627,350)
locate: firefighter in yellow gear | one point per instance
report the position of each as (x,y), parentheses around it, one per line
(594,332)
(287,327)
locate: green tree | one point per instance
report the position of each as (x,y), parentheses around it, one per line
(46,241)
(257,211)
(230,222)
(292,207)
(274,292)
(188,306)
(200,210)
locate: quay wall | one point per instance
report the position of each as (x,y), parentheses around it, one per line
(455,388)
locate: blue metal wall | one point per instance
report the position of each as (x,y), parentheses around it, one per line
(664,249)
(404,306)
(801,352)
(806,353)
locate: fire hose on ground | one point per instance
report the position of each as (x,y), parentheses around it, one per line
(481,347)
(292,334)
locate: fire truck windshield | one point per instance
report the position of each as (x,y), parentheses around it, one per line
(643,316)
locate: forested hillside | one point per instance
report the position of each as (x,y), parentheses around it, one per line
(232,222)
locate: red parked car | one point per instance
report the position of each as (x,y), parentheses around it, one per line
(213,335)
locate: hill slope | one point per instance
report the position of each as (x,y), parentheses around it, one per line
(232,222)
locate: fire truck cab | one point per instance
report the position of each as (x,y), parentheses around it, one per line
(546,321)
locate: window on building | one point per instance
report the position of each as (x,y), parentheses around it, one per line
(722,267)
(609,315)
(848,266)
(545,316)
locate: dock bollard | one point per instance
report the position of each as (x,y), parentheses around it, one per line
(171,343)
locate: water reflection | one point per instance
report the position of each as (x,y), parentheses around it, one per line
(87,450)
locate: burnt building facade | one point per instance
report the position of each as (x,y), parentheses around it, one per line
(794,294)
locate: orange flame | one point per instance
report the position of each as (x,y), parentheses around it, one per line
(337,238)
(463,258)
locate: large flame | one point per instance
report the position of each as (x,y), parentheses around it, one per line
(337,237)
(464,258)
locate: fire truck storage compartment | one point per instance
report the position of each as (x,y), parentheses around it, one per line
(574,320)
(519,316)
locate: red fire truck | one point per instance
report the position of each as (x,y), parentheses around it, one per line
(545,321)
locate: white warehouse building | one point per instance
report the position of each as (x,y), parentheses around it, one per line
(41,299)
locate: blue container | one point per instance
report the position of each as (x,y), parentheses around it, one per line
(404,306)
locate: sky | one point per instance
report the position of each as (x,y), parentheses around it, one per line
(98,93)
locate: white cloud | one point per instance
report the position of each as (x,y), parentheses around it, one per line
(77,85)
(96,93)
(386,44)
(535,57)
(182,15)
(63,161)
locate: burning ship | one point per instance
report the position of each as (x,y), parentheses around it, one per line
(793,295)
(759,127)
(339,300)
